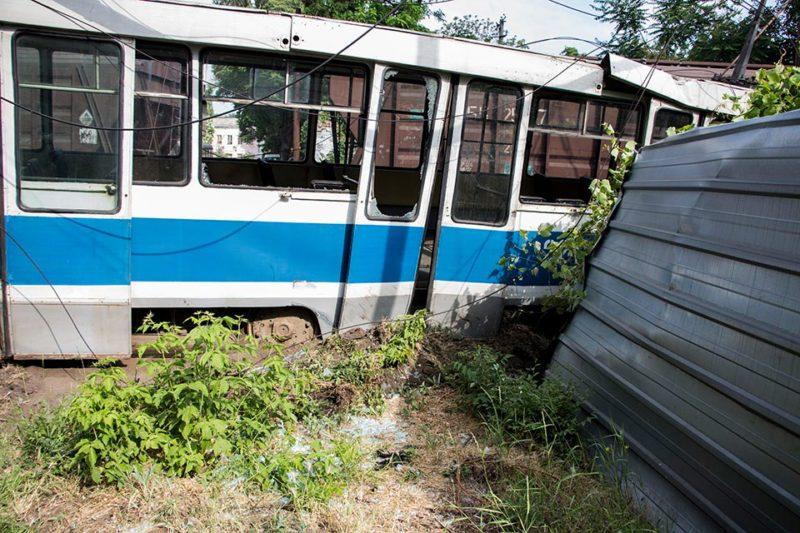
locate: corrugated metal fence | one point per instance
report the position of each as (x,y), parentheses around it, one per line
(689,338)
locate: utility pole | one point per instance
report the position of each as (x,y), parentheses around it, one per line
(747,48)
(501,30)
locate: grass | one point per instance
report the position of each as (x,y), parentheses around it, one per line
(516,407)
(485,448)
(566,492)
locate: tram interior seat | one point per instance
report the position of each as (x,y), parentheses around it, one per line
(540,188)
(69,165)
(266,173)
(396,191)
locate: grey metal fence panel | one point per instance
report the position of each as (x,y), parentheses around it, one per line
(689,338)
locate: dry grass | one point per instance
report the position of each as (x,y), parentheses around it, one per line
(452,470)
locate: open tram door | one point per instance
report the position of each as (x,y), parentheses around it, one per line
(403,133)
(66,194)
(477,223)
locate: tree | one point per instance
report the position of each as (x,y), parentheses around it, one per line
(678,23)
(479,29)
(570,51)
(701,30)
(408,16)
(789,33)
(629,18)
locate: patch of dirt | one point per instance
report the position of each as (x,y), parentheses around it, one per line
(31,384)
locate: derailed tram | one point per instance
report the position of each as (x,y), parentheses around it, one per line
(312,175)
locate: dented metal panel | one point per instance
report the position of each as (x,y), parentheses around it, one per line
(393,46)
(689,338)
(694,93)
(209,24)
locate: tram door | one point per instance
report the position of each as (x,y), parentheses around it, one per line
(66,195)
(477,225)
(403,132)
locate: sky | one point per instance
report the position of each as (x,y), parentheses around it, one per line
(535,19)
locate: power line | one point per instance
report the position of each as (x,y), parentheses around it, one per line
(224,113)
(593,15)
(36,266)
(235,109)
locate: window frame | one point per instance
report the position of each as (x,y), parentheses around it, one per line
(121,114)
(187,140)
(518,123)
(404,74)
(309,160)
(422,168)
(673,111)
(583,133)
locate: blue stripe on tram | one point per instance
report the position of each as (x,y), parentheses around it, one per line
(472,255)
(94,251)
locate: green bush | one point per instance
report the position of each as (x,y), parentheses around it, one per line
(516,406)
(404,336)
(212,404)
(204,404)
(776,91)
(363,368)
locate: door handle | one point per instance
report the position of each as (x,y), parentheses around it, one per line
(111,189)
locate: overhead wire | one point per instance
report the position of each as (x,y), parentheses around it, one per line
(545,84)
(223,113)
(263,98)
(40,270)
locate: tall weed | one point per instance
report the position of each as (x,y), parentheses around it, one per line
(516,407)
(208,407)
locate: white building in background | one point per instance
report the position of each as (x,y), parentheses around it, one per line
(226,140)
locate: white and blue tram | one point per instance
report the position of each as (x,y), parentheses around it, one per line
(388,179)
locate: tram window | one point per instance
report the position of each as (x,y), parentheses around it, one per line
(559,114)
(404,124)
(338,139)
(566,154)
(75,81)
(160,99)
(669,118)
(268,138)
(483,184)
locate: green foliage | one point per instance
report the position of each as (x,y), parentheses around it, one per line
(13,477)
(480,29)
(629,18)
(705,30)
(362,368)
(516,406)
(776,91)
(304,469)
(408,16)
(672,130)
(570,51)
(404,335)
(563,256)
(47,437)
(206,402)
(213,404)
